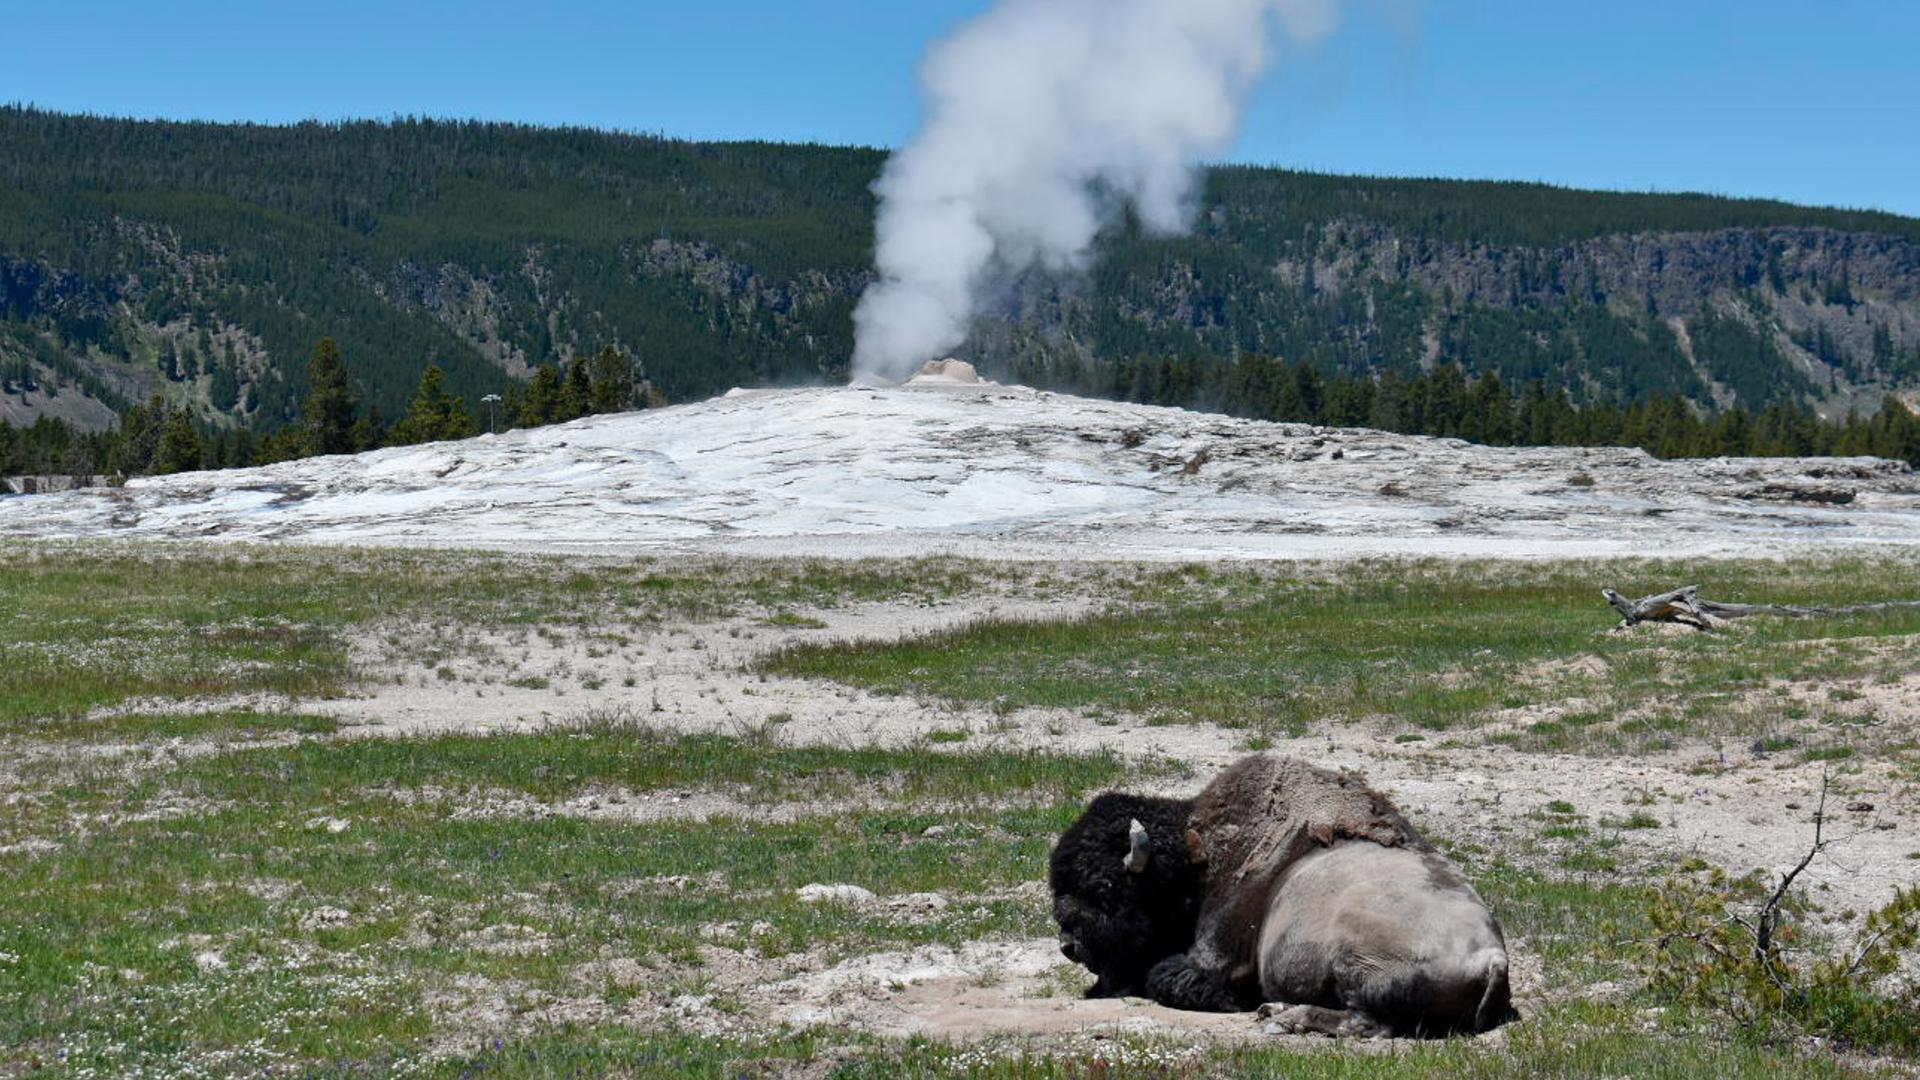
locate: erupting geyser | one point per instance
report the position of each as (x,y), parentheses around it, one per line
(1043,117)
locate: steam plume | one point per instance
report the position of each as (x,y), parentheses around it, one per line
(1042,117)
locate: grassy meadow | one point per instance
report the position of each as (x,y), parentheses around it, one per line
(193,889)
(1431,650)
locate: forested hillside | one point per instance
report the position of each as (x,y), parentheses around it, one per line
(203,262)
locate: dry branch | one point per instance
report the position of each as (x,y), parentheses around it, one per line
(1768,920)
(1686,606)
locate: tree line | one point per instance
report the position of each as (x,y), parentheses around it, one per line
(1446,401)
(159,438)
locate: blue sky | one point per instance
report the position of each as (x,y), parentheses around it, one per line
(1810,100)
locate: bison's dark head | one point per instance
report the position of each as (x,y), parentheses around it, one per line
(1125,891)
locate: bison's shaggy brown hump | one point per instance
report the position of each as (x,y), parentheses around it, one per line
(1265,812)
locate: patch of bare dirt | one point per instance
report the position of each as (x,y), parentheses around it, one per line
(684,677)
(617,804)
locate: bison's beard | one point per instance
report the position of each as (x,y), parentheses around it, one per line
(1119,949)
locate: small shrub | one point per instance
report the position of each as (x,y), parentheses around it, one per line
(1639,819)
(788,620)
(1729,946)
(1590,862)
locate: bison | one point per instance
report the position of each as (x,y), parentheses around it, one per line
(1281,886)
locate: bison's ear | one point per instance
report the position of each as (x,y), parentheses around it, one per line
(1196,847)
(1139,848)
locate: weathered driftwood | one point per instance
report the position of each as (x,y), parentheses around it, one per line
(1686,606)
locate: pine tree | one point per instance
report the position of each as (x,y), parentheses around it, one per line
(1488,417)
(285,444)
(1350,402)
(541,402)
(576,400)
(224,393)
(613,382)
(181,448)
(239,450)
(1311,390)
(1445,400)
(1392,404)
(328,414)
(370,431)
(139,442)
(435,415)
(456,422)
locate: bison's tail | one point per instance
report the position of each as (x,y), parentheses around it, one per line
(1496,997)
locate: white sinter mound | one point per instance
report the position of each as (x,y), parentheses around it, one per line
(947,463)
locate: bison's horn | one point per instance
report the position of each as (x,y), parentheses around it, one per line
(1139,848)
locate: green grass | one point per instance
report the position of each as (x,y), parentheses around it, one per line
(219,726)
(100,936)
(1568,1043)
(1430,646)
(327,907)
(106,937)
(1573,1043)
(108,949)
(563,761)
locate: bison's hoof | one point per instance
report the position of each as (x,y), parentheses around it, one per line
(1284,1019)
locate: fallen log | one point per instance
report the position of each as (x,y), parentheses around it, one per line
(1687,607)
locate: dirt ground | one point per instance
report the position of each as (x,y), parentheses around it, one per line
(1730,806)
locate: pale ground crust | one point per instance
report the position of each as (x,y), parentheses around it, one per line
(948,468)
(1729,808)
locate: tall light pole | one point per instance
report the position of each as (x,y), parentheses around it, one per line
(490,401)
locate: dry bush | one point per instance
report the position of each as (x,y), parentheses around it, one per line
(1730,946)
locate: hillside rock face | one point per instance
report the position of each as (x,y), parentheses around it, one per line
(205,262)
(947,466)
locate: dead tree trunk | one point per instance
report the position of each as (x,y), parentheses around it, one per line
(1685,606)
